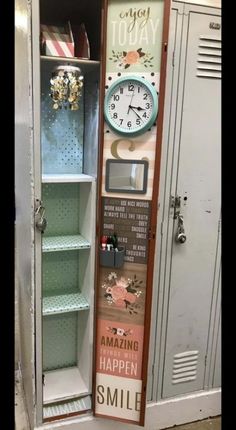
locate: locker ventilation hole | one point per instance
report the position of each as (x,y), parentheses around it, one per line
(209,57)
(184,367)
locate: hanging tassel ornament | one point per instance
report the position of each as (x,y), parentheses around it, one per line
(66,87)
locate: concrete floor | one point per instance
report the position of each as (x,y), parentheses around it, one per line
(209,424)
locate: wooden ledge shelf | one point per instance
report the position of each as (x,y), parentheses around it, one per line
(64,243)
(62,384)
(54,305)
(85,64)
(66,178)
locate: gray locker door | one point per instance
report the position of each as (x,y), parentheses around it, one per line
(198,184)
(217,364)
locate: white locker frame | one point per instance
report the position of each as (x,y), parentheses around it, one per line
(169,166)
(24,188)
(29,179)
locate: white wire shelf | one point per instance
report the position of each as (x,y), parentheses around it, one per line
(54,305)
(64,243)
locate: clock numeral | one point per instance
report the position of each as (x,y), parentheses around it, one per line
(145,96)
(115,115)
(131,87)
(116,97)
(147,105)
(113,106)
(138,89)
(144,115)
(121,121)
(138,121)
(129,124)
(121,90)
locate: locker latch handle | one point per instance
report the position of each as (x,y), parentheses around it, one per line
(40,220)
(180,234)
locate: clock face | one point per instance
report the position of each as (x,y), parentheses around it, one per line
(131,106)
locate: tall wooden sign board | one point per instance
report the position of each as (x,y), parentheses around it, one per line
(136,44)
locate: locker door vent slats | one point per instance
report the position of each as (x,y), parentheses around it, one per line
(184,367)
(209,57)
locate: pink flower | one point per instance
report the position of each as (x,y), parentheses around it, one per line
(109,290)
(131,57)
(120,303)
(118,292)
(130,297)
(121,283)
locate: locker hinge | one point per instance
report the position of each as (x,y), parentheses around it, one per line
(153,370)
(219,225)
(173,59)
(175,202)
(205,360)
(162,228)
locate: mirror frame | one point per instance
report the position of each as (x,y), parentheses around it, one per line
(111,161)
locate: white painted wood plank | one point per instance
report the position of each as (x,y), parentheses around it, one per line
(62,384)
(51,178)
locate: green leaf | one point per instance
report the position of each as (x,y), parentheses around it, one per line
(113,51)
(139,50)
(126,66)
(141,54)
(124,53)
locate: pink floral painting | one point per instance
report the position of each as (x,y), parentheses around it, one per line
(119,331)
(131,58)
(122,293)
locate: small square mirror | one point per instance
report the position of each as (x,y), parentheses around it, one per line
(126,176)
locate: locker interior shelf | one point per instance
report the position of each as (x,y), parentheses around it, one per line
(62,384)
(65,178)
(64,303)
(85,65)
(64,243)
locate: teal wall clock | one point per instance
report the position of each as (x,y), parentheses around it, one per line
(131,106)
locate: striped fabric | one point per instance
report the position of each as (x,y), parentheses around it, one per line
(57,41)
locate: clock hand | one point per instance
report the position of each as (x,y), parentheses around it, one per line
(131,107)
(136,107)
(130,101)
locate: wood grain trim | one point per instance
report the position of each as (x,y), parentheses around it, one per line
(104,7)
(154,207)
(65,416)
(122,420)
